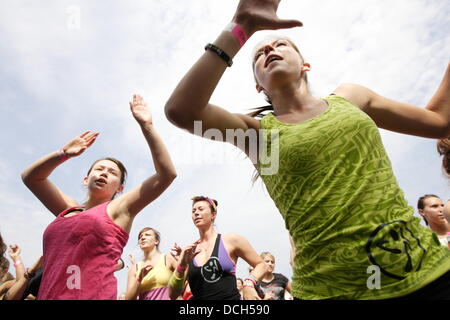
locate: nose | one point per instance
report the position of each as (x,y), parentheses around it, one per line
(267,49)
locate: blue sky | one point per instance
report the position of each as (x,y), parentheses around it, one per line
(71,66)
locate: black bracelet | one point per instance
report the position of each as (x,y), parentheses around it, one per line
(220,53)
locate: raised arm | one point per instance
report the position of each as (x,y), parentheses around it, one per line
(190,100)
(134,281)
(177,280)
(36,175)
(124,209)
(430,122)
(23,276)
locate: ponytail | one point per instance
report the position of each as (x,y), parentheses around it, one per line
(443,148)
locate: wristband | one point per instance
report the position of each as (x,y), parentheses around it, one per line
(237,31)
(175,282)
(17,263)
(28,275)
(62,155)
(250,280)
(181,269)
(222,54)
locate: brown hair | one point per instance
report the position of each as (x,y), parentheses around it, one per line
(156,232)
(122,168)
(443,147)
(4,263)
(421,203)
(207,199)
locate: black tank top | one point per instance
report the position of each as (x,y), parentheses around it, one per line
(212,281)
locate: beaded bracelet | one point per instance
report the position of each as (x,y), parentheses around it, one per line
(222,54)
(17,263)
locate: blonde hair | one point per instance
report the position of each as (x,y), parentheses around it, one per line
(265,254)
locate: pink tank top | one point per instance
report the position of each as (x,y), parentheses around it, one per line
(80,256)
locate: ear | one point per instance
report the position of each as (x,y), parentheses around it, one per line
(85,181)
(120,189)
(421,212)
(306,67)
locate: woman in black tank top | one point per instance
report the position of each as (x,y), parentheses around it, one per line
(210,262)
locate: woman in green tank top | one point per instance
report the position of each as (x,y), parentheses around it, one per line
(324,165)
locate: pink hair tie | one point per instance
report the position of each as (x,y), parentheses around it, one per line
(237,32)
(211,202)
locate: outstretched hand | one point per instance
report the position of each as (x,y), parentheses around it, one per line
(79,144)
(175,252)
(14,252)
(255,15)
(144,271)
(140,110)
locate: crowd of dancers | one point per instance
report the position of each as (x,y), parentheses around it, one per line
(334,188)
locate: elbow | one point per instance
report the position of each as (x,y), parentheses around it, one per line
(171,176)
(25,178)
(174,114)
(179,116)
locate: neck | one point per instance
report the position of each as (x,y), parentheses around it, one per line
(440,228)
(150,254)
(268,276)
(208,234)
(288,99)
(95,201)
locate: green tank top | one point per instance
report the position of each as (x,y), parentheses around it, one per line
(355,235)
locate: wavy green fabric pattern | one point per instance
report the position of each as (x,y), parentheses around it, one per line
(345,210)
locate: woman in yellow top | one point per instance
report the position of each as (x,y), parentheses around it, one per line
(149,279)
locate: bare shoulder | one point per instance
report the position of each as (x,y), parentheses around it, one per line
(355,93)
(233,239)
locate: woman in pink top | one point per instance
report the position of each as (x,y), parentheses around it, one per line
(82,245)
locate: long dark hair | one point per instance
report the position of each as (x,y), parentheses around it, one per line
(443,147)
(4,263)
